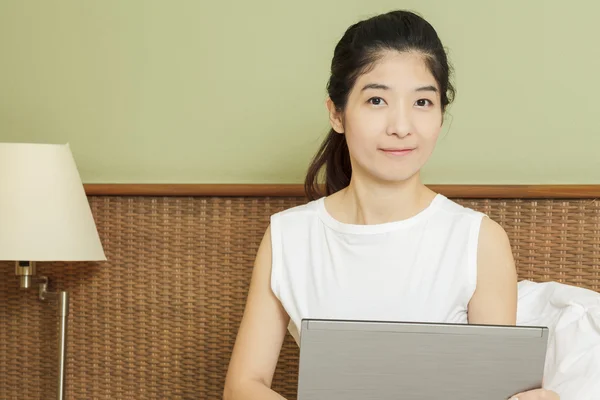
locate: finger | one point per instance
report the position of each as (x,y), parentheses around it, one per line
(530,395)
(524,395)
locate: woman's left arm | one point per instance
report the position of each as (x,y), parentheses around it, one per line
(495,299)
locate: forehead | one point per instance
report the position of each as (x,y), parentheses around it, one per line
(401,71)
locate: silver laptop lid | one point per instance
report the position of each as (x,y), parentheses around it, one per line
(419,361)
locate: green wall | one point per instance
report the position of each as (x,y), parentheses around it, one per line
(233,91)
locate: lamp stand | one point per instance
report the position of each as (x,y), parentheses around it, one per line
(26,270)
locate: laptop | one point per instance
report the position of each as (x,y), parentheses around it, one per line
(374,360)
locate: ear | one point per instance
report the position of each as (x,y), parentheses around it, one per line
(335,117)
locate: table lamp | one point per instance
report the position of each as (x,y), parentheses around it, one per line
(45,216)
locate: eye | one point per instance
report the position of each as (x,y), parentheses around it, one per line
(376,101)
(423,103)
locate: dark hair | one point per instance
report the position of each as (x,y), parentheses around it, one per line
(361,46)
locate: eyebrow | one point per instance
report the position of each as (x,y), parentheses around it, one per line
(426,89)
(375,86)
(380,86)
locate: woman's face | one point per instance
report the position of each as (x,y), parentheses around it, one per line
(392,118)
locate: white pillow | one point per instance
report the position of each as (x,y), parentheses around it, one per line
(573,315)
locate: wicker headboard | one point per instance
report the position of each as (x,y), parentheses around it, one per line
(158,320)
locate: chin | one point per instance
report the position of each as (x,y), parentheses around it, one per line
(395,178)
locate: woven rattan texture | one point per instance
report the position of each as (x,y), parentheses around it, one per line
(158,320)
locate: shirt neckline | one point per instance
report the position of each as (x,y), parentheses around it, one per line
(375,228)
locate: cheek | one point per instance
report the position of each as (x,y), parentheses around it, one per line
(365,125)
(358,143)
(361,130)
(428,127)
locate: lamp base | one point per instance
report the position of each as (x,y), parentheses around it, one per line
(25,270)
(62,299)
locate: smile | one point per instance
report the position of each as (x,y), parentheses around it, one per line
(397,152)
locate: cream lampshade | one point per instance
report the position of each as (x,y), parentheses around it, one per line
(44,212)
(45,216)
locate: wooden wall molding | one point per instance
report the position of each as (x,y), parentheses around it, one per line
(297,190)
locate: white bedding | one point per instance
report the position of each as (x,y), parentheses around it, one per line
(573,316)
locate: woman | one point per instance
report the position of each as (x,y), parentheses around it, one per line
(378,245)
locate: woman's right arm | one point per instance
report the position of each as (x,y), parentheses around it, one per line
(260,336)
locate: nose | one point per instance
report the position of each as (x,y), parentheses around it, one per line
(400,122)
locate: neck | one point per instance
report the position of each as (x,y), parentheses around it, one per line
(367,202)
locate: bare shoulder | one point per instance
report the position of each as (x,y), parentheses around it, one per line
(493,239)
(495,297)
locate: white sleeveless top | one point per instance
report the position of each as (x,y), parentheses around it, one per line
(421,269)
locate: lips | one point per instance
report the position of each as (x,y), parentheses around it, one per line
(398,151)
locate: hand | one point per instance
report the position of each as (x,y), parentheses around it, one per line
(537,394)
